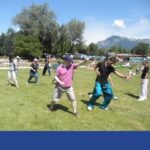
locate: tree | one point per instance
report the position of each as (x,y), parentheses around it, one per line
(101,52)
(2,41)
(93,49)
(6,42)
(75,30)
(27,45)
(141,49)
(117,49)
(63,43)
(51,39)
(40,21)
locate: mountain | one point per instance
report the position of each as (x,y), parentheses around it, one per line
(123,42)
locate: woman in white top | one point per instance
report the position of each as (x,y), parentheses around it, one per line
(12,78)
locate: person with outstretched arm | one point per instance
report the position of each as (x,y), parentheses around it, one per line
(63,78)
(102,86)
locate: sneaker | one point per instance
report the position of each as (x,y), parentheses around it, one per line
(90,107)
(115,98)
(77,114)
(141,99)
(90,94)
(104,108)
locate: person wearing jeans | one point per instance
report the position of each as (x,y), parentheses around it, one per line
(33,71)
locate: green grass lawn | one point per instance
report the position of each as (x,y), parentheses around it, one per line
(26,108)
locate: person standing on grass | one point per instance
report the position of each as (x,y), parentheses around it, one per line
(102,86)
(12,77)
(16,61)
(47,67)
(63,78)
(144,82)
(33,71)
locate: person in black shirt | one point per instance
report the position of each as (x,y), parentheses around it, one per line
(102,86)
(33,71)
(47,67)
(144,82)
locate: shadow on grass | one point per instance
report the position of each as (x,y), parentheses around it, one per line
(96,104)
(132,95)
(60,107)
(32,82)
(12,85)
(86,102)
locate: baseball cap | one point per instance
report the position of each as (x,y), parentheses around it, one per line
(67,58)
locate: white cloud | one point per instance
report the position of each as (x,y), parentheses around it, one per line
(143,20)
(119,23)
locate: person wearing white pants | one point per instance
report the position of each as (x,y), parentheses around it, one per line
(12,78)
(144,82)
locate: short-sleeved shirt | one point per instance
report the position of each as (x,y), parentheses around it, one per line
(65,74)
(144,72)
(104,72)
(35,67)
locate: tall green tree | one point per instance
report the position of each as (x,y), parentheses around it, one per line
(6,42)
(75,31)
(40,21)
(63,43)
(2,42)
(27,46)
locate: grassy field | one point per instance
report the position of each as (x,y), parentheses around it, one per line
(26,108)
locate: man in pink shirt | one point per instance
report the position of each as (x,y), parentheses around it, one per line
(63,78)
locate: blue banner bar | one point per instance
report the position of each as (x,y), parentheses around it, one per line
(75,140)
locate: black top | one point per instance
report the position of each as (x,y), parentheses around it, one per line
(35,67)
(144,72)
(104,72)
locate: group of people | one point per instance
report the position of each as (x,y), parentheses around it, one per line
(64,77)
(13,68)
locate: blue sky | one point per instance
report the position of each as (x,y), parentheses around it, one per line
(103,18)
